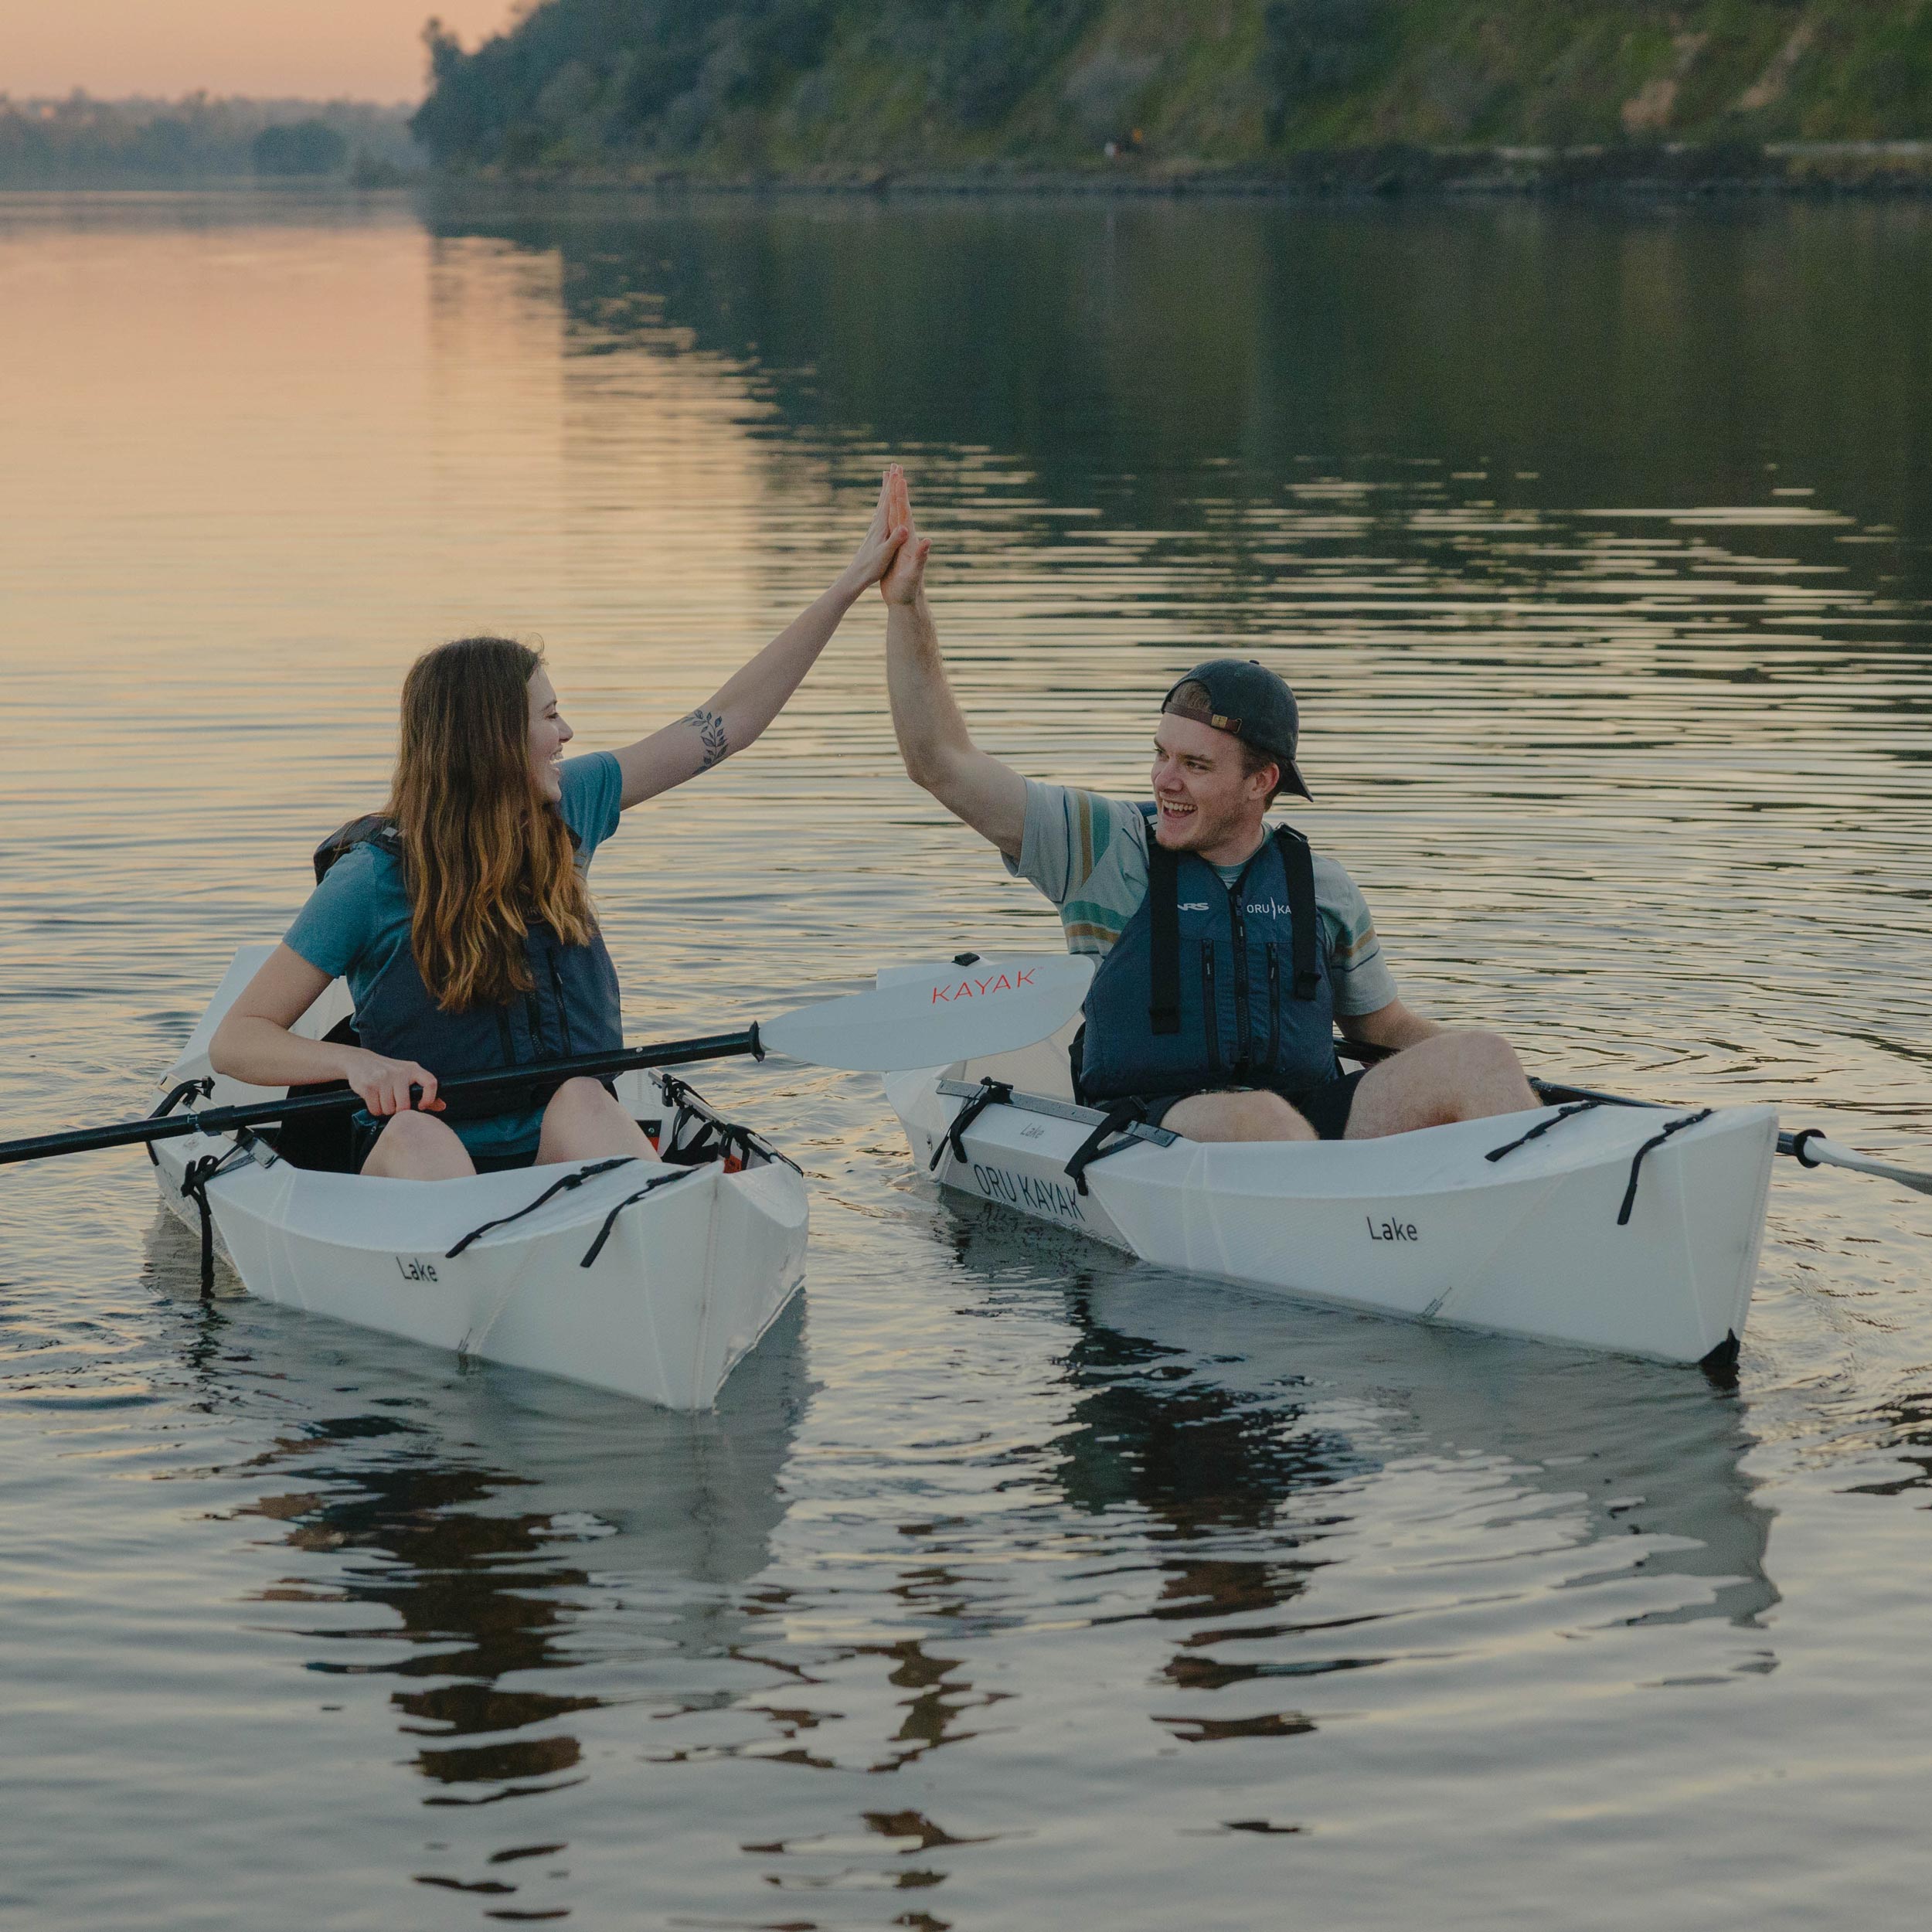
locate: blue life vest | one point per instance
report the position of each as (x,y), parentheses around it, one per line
(573,1006)
(1211,985)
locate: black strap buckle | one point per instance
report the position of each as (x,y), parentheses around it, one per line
(991,1093)
(1656,1140)
(630,1200)
(1094,1147)
(194,1187)
(550,1193)
(1542,1126)
(196,1089)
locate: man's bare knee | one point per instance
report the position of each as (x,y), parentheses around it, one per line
(1237,1117)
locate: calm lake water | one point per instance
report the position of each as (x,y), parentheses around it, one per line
(1011,1584)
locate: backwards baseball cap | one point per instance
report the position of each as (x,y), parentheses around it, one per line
(1243,698)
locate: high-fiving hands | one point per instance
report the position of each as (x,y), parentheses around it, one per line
(906,576)
(884,538)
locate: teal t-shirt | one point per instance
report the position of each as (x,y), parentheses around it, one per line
(358,919)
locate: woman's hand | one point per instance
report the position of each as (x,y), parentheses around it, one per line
(384,1085)
(882,539)
(736,713)
(904,576)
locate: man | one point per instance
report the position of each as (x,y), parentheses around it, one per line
(1228,951)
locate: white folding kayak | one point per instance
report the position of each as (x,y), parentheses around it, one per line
(652,1278)
(1627,1228)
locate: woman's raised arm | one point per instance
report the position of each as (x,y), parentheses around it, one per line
(735,715)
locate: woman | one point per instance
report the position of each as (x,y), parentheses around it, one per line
(459,916)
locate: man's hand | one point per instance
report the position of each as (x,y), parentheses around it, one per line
(883,539)
(938,750)
(906,577)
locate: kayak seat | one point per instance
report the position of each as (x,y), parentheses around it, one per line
(323,1142)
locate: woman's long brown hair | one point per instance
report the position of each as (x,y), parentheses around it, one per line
(484,851)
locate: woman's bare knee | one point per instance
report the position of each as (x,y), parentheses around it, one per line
(579,1099)
(583,1121)
(418,1147)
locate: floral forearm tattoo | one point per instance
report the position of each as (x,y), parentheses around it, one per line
(710,728)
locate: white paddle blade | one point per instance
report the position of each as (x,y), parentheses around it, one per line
(1820,1152)
(935,1016)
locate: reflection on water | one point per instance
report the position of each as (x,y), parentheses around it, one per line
(1597,548)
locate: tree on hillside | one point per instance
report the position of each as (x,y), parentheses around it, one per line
(299,148)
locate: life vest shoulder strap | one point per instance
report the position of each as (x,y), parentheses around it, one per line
(1163,932)
(1163,919)
(1297,860)
(372,829)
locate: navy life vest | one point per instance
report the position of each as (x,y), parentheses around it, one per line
(1211,985)
(573,1006)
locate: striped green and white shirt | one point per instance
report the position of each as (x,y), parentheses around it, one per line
(1088,855)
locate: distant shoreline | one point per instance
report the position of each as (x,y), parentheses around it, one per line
(1681,171)
(1896,170)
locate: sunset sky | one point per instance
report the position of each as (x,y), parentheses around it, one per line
(369,50)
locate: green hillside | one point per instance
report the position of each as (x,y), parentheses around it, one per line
(828,90)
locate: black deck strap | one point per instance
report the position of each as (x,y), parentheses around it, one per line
(556,1188)
(1542,1126)
(200,1089)
(194,1187)
(704,1145)
(1094,1147)
(630,1200)
(204,1086)
(715,1139)
(991,1093)
(1656,1140)
(263,1153)
(1164,937)
(1298,862)
(689,1105)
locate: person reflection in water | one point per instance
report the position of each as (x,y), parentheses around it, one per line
(460,915)
(1228,951)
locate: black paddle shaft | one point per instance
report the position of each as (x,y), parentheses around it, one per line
(222,1120)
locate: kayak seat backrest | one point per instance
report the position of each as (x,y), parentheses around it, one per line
(324,1142)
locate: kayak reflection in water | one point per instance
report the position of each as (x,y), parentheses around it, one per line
(1228,952)
(460,915)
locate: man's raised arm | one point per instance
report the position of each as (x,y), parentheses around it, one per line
(939,751)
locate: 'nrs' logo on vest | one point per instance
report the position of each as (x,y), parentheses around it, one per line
(982,989)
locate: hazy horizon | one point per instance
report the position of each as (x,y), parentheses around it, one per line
(359,50)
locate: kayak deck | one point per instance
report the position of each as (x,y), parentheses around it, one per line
(652,1278)
(1588,1226)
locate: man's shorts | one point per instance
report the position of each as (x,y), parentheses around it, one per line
(1325,1108)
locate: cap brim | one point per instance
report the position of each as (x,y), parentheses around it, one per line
(1292,780)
